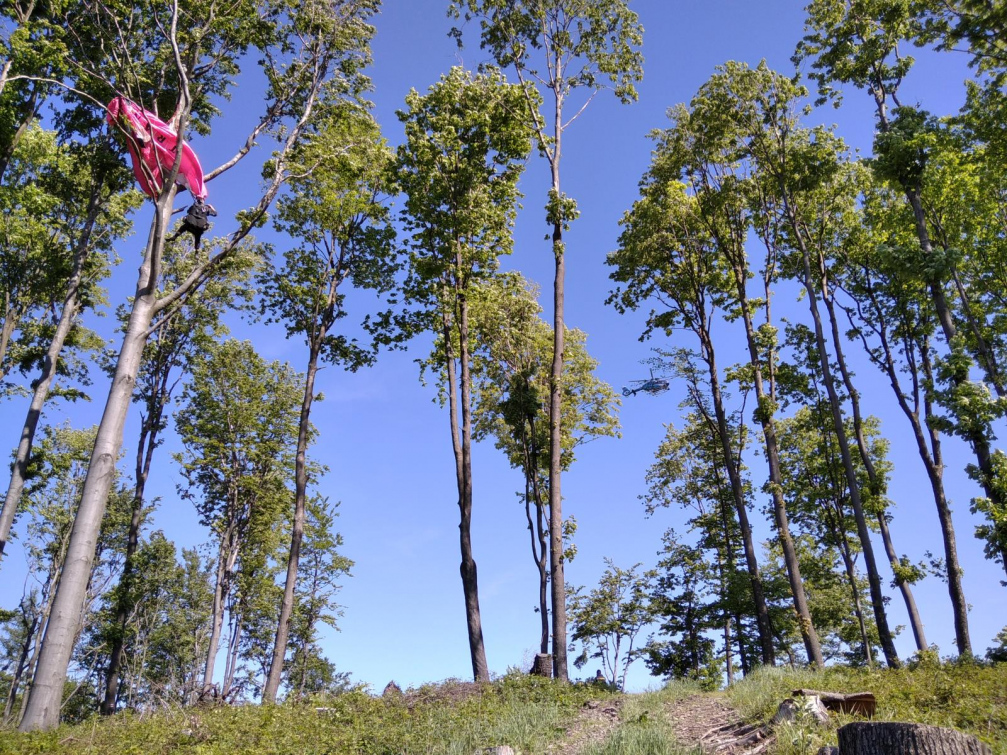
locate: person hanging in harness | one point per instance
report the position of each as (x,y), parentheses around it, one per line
(195,221)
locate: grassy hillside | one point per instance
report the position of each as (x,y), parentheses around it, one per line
(968,697)
(530,713)
(452,718)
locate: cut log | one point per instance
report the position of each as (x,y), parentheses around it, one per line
(858,703)
(890,738)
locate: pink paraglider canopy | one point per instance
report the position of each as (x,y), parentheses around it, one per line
(152,148)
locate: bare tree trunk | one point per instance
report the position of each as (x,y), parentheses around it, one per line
(19,667)
(537,532)
(233,646)
(556,560)
(480,668)
(275,674)
(851,577)
(144,457)
(46,693)
(872,475)
(807,629)
(853,484)
(469,575)
(740,506)
(220,592)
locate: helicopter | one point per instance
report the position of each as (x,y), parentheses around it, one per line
(655,386)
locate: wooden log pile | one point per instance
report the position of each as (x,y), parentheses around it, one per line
(857,703)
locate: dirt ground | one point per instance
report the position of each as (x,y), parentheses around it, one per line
(706,722)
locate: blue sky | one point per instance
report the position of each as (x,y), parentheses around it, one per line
(386,441)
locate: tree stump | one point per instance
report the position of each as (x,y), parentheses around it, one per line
(542,666)
(891,738)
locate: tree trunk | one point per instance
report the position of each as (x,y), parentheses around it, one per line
(808,633)
(851,576)
(233,646)
(853,484)
(470,580)
(872,475)
(19,667)
(740,506)
(47,688)
(891,738)
(149,432)
(221,590)
(933,464)
(272,684)
(556,560)
(537,533)
(462,450)
(959,606)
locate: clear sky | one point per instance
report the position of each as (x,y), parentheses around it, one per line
(386,441)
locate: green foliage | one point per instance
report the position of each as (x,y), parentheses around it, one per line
(459,169)
(337,213)
(512,354)
(59,203)
(855,43)
(598,35)
(451,718)
(608,619)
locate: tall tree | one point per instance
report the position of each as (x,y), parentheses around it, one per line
(668,259)
(511,375)
(704,149)
(337,211)
(314,49)
(794,168)
(565,49)
(858,43)
(464,151)
(184,334)
(890,314)
(238,423)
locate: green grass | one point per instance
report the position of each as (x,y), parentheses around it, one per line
(527,713)
(970,697)
(450,719)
